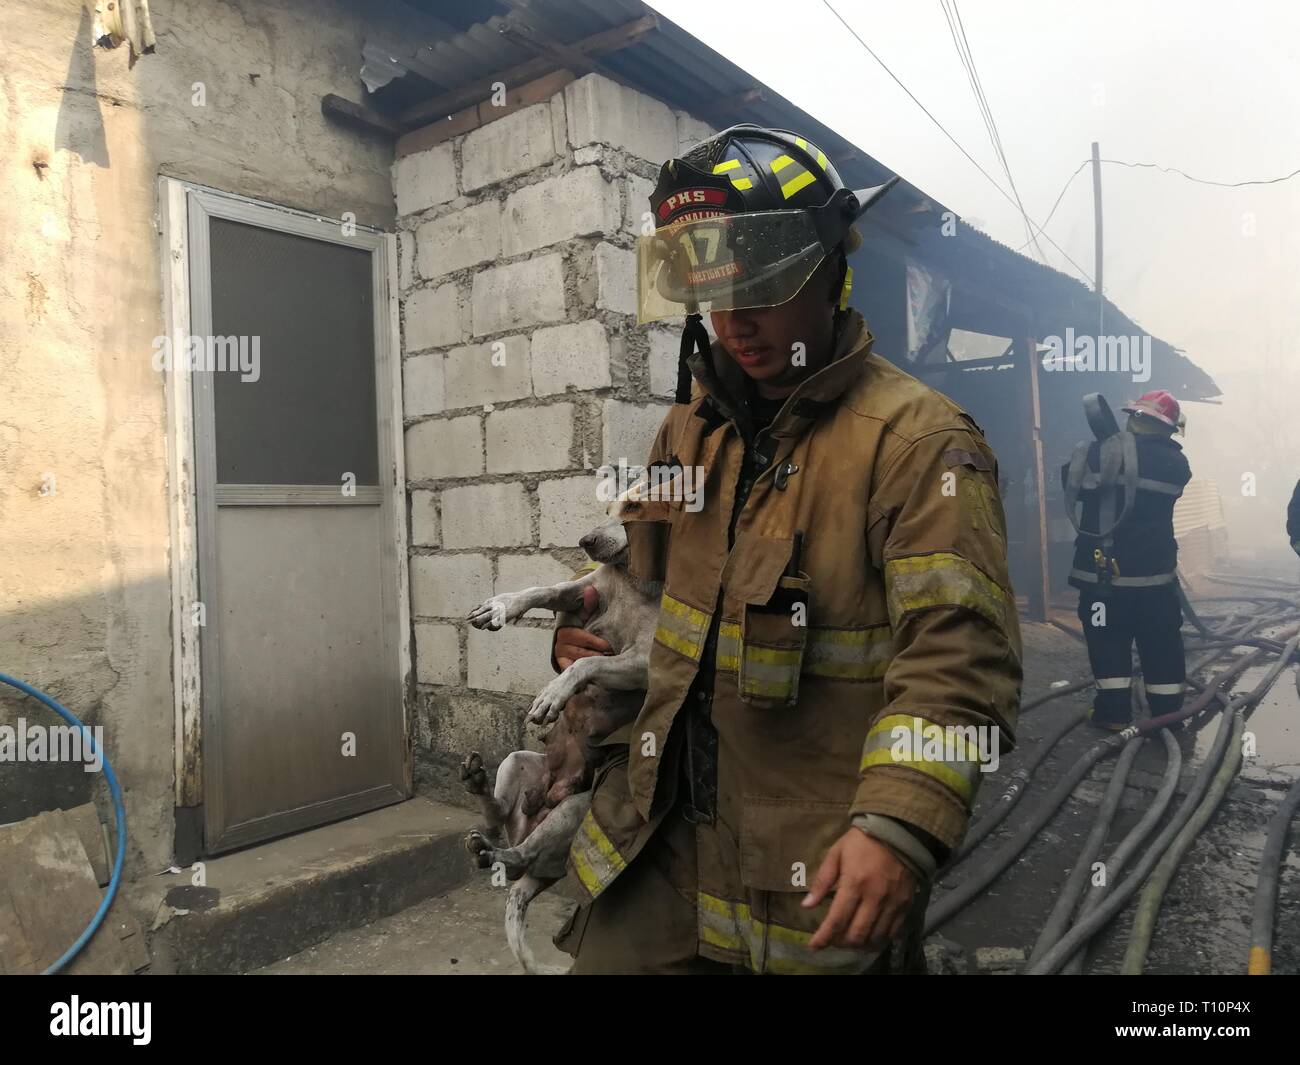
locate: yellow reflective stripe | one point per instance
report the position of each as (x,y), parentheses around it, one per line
(848,288)
(742,183)
(796,183)
(821,156)
(595,859)
(849,654)
(885,746)
(884,734)
(919,582)
(780,163)
(681,628)
(728,659)
(723,167)
(731,926)
(836,654)
(774,656)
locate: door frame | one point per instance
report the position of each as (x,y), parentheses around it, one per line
(191,484)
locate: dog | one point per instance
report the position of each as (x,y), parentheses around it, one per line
(538,801)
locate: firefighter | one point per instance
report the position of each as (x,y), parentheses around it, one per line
(1293,519)
(841,593)
(1127,579)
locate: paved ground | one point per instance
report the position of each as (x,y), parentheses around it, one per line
(459,932)
(1203,928)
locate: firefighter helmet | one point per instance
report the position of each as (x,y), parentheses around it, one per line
(1159,405)
(743,220)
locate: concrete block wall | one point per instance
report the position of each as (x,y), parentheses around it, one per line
(523,371)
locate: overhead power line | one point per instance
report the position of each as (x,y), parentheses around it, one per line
(957,30)
(1005,195)
(1206,181)
(1166,169)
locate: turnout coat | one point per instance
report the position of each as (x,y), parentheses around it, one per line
(893,618)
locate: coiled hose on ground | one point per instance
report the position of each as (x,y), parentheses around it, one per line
(119,814)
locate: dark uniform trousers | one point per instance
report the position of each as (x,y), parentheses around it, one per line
(1153,618)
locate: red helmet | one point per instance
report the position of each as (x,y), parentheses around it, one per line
(1159,405)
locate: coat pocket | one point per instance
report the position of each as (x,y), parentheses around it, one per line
(783,842)
(773,638)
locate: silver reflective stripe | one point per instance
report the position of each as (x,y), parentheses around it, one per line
(1114,682)
(731,926)
(837,654)
(1125,582)
(849,654)
(949,755)
(1164,689)
(1093,480)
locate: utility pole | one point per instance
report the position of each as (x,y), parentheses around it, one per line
(1096,215)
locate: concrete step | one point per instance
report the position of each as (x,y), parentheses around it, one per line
(274,900)
(461,931)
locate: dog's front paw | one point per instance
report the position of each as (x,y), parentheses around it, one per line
(473,774)
(493,613)
(548,704)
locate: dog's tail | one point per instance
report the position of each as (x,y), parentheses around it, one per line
(522,892)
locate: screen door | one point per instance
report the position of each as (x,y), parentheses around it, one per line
(293,428)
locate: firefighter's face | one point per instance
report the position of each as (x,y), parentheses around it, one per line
(778,346)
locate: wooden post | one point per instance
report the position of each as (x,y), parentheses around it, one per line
(1040,596)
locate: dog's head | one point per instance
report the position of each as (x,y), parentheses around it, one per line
(607,542)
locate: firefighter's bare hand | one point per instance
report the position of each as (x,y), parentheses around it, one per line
(872,892)
(572,643)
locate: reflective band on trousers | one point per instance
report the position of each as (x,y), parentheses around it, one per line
(595,859)
(913,742)
(1113,682)
(919,582)
(732,926)
(1163,689)
(1125,582)
(839,654)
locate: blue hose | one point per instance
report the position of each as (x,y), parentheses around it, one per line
(119,811)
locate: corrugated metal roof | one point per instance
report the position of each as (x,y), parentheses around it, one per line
(678,68)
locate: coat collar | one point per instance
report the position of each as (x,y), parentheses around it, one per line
(724,383)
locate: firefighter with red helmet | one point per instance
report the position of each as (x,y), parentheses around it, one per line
(1125,486)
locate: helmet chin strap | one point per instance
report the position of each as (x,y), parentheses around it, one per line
(694,338)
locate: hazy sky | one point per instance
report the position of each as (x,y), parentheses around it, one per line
(1212,89)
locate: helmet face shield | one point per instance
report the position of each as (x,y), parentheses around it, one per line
(725,262)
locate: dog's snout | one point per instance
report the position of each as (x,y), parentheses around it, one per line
(587,542)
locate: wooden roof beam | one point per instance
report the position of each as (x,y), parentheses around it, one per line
(602,43)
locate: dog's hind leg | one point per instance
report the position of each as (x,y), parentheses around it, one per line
(519,789)
(473,775)
(545,851)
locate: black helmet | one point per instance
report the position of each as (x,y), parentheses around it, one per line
(743,220)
